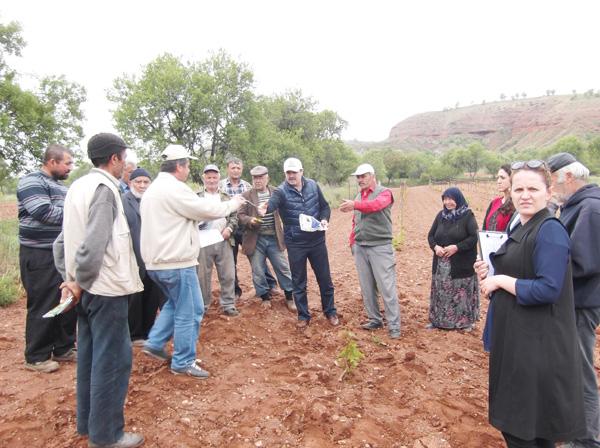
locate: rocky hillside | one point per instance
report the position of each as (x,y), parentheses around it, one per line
(503,125)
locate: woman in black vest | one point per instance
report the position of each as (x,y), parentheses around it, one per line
(535,390)
(454,300)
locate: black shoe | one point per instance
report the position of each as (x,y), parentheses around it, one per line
(289,295)
(266,296)
(371,325)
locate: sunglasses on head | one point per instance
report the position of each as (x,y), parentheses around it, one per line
(533,164)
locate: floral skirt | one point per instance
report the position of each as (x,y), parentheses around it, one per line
(454,303)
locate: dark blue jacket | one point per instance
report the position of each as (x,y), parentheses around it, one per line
(131,207)
(581,216)
(291,203)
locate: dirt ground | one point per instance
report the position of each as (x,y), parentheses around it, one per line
(271,385)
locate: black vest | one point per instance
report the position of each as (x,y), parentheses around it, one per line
(535,369)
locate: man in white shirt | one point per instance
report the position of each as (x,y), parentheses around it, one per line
(219,254)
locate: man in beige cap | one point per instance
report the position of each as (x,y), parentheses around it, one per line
(170,213)
(263,238)
(219,254)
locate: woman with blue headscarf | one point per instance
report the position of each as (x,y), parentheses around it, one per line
(454,300)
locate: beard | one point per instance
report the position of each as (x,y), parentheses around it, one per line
(57,175)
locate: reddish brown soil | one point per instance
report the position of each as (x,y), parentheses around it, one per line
(8,210)
(274,386)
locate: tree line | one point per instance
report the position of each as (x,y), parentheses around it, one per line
(471,160)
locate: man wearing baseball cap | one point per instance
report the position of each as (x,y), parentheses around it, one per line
(579,203)
(100,272)
(170,244)
(371,243)
(295,196)
(218,254)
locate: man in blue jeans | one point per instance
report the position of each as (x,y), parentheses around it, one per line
(263,238)
(170,244)
(295,196)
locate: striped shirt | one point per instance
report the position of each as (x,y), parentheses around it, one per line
(40,200)
(226,187)
(267,226)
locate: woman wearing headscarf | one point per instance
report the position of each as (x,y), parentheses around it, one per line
(535,391)
(501,209)
(454,300)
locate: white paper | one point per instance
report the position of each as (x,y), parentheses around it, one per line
(310,224)
(490,242)
(209,237)
(59,308)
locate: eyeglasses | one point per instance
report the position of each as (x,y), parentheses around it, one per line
(533,164)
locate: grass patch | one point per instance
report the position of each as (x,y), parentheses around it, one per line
(10,285)
(335,194)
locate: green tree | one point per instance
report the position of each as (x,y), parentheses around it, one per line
(198,105)
(31,120)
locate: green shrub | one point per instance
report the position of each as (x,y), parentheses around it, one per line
(10,288)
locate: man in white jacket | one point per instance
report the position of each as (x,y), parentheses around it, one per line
(170,212)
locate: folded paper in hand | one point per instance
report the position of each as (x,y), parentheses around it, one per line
(59,308)
(310,224)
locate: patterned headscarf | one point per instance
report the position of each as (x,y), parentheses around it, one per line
(461,204)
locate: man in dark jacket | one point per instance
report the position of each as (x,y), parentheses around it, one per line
(295,197)
(580,213)
(143,305)
(263,238)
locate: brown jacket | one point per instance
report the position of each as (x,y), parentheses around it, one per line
(245,215)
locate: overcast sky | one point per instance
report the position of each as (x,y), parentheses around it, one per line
(373,62)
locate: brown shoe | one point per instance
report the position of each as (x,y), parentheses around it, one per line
(302,324)
(69,356)
(333,320)
(291,305)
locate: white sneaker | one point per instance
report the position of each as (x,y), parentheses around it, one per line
(46,366)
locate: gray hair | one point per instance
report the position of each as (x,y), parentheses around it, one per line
(234,160)
(577,169)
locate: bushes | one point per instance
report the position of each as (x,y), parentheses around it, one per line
(10,288)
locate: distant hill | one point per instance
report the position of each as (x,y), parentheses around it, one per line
(511,124)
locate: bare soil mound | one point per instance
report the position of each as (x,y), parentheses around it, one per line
(274,386)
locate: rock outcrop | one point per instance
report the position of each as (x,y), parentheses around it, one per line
(515,124)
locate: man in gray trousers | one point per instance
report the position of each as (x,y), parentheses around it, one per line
(579,203)
(371,243)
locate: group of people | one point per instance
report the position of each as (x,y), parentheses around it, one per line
(544,292)
(135,256)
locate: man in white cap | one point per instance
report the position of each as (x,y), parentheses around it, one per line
(300,195)
(219,254)
(170,213)
(371,243)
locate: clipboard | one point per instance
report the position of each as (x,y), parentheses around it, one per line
(490,242)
